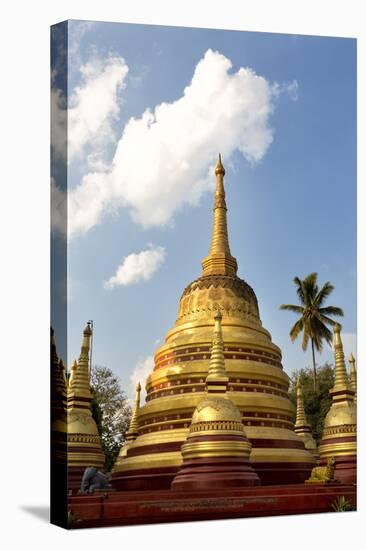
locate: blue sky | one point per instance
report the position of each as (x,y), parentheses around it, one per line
(290,177)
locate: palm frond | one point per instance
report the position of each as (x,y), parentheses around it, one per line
(328,320)
(290,307)
(331,310)
(320,332)
(299,289)
(305,340)
(296,329)
(323,293)
(310,289)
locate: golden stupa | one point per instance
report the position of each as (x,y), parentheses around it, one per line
(340,424)
(58,439)
(58,390)
(353,375)
(83,441)
(58,406)
(302,426)
(257,383)
(133,429)
(216,452)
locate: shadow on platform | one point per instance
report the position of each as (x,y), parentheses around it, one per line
(40,512)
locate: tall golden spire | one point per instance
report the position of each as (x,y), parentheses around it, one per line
(217,379)
(341,388)
(131,434)
(302,426)
(353,373)
(300,409)
(72,373)
(80,385)
(133,429)
(219,261)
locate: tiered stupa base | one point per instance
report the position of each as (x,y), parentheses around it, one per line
(74,477)
(283,473)
(269,474)
(84,450)
(144,480)
(204,474)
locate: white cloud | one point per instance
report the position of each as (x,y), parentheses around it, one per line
(76,31)
(163,159)
(58,125)
(58,209)
(94,105)
(291,88)
(137,267)
(140,374)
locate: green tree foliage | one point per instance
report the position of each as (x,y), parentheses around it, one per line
(341,504)
(314,318)
(316,402)
(111,412)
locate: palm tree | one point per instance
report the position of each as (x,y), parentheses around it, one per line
(313,317)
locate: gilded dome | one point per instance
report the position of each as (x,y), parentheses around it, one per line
(216,409)
(209,292)
(81,423)
(341,414)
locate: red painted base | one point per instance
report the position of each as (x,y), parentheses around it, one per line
(269,474)
(283,473)
(204,473)
(74,476)
(144,480)
(345,469)
(138,507)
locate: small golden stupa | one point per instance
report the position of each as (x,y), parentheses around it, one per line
(58,439)
(132,431)
(257,383)
(353,375)
(58,406)
(340,425)
(216,452)
(83,441)
(302,426)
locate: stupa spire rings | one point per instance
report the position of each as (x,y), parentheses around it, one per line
(302,426)
(72,373)
(340,377)
(133,429)
(217,379)
(300,409)
(79,385)
(219,261)
(353,374)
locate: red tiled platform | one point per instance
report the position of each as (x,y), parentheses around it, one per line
(131,508)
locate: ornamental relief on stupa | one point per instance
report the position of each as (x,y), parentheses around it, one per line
(202,304)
